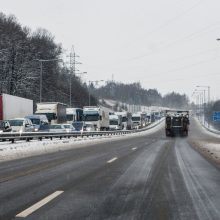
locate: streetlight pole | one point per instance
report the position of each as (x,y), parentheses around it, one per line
(208,101)
(202,102)
(41,78)
(41,72)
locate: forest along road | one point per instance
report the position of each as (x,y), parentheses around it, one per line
(143,177)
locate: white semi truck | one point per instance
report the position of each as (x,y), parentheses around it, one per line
(14,107)
(126,120)
(55,111)
(74,114)
(139,120)
(96,116)
(115,122)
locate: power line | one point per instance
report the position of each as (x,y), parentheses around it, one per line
(72,62)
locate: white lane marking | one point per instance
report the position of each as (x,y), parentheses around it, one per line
(134,148)
(112,160)
(38,205)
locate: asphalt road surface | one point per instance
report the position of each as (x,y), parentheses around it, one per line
(147,177)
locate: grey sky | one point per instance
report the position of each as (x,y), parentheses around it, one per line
(168,45)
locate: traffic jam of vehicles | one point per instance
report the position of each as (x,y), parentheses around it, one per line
(17,115)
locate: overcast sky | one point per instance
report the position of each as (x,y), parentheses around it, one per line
(165,44)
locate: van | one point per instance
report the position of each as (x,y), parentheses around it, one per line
(21,125)
(40,122)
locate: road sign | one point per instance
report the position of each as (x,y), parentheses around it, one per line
(216,116)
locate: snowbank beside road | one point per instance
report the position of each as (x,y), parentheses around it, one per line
(210,150)
(209,131)
(21,149)
(209,146)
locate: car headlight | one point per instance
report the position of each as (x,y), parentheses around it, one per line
(36,129)
(1,131)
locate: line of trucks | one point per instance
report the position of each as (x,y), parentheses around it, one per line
(91,117)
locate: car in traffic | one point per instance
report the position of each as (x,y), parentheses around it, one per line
(57,128)
(69,127)
(5,126)
(78,125)
(21,125)
(89,127)
(40,122)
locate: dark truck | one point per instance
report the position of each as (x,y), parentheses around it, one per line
(177,123)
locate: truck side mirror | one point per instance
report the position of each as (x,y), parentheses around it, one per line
(100,117)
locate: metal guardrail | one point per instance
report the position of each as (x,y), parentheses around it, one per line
(13,136)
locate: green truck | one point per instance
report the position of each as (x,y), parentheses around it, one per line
(176,123)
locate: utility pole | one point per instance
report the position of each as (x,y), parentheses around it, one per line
(72,63)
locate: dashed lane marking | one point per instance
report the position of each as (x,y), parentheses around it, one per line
(38,205)
(134,148)
(112,160)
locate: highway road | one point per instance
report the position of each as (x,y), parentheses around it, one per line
(143,177)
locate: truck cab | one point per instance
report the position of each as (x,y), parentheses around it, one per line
(115,122)
(97,117)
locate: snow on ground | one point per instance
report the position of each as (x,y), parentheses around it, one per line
(211,147)
(21,149)
(209,131)
(210,150)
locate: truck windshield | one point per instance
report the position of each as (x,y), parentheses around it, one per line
(69,117)
(16,122)
(113,122)
(124,119)
(91,117)
(35,121)
(136,118)
(50,116)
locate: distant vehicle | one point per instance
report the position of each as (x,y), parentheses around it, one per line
(157,115)
(14,107)
(96,116)
(69,127)
(115,122)
(139,120)
(21,125)
(55,111)
(5,126)
(177,122)
(57,128)
(74,114)
(89,127)
(78,125)
(40,122)
(126,120)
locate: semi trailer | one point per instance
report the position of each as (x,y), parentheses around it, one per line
(14,107)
